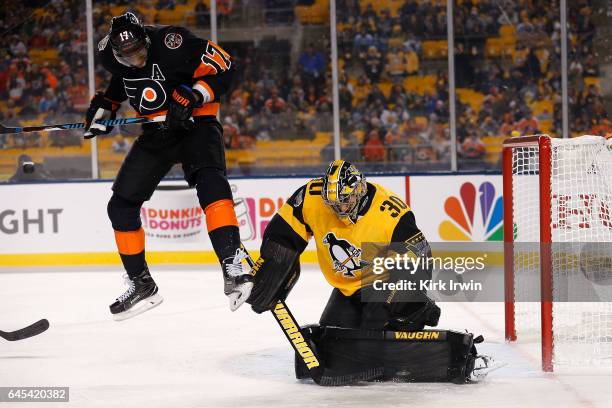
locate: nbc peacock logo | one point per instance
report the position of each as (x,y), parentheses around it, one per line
(474,216)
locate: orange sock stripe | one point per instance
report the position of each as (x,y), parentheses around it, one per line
(130,242)
(220,214)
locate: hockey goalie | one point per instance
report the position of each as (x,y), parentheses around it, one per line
(361,329)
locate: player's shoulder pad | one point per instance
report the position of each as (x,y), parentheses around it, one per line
(297,198)
(388,202)
(314,187)
(305,201)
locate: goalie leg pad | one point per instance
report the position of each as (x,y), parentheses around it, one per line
(422,356)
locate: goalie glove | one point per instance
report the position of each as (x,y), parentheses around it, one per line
(276,271)
(100,107)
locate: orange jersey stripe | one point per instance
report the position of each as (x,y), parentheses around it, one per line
(207,88)
(215,59)
(130,242)
(156,114)
(204,70)
(221,50)
(220,214)
(208,109)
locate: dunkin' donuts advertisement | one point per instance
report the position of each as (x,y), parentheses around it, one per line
(173,214)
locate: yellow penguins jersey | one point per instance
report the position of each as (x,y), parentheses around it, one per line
(383,217)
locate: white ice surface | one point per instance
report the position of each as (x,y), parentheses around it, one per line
(193,352)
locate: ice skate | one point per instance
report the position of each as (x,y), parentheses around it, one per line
(141,295)
(238,282)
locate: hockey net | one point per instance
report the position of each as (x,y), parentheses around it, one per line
(558,236)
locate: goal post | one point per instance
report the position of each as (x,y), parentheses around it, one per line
(557,197)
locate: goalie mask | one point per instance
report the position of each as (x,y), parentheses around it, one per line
(343,188)
(129,40)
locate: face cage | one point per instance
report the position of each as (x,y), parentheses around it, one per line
(351,213)
(137,59)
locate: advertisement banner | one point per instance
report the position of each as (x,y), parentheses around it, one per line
(458,207)
(51,218)
(173,215)
(71,217)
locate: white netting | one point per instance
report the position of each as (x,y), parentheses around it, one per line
(581,212)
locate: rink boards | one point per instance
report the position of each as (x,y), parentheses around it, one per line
(66,223)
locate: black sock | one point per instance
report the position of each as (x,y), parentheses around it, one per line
(225,241)
(134,264)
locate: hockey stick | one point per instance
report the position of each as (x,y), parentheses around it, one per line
(69,126)
(301,346)
(32,330)
(292,331)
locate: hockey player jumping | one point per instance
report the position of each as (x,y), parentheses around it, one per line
(166,70)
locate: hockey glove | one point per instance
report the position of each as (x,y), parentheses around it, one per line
(413,316)
(276,271)
(180,108)
(100,107)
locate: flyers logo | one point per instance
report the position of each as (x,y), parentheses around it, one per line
(147,95)
(216,59)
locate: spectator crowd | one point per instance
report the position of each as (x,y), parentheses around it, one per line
(386,114)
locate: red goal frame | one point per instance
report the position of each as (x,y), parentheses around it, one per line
(543,143)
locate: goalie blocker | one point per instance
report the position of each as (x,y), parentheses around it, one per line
(421,356)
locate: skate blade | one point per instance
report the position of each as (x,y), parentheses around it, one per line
(140,307)
(240,294)
(480,374)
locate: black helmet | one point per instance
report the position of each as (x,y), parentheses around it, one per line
(129,40)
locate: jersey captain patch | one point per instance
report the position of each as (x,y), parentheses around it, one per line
(173,40)
(345,256)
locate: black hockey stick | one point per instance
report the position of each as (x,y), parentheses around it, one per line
(32,330)
(301,346)
(69,126)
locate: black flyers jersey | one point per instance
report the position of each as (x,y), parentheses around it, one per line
(176,57)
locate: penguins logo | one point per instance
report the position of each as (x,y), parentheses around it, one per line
(345,256)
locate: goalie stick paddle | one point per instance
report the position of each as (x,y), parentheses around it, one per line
(69,126)
(302,347)
(30,331)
